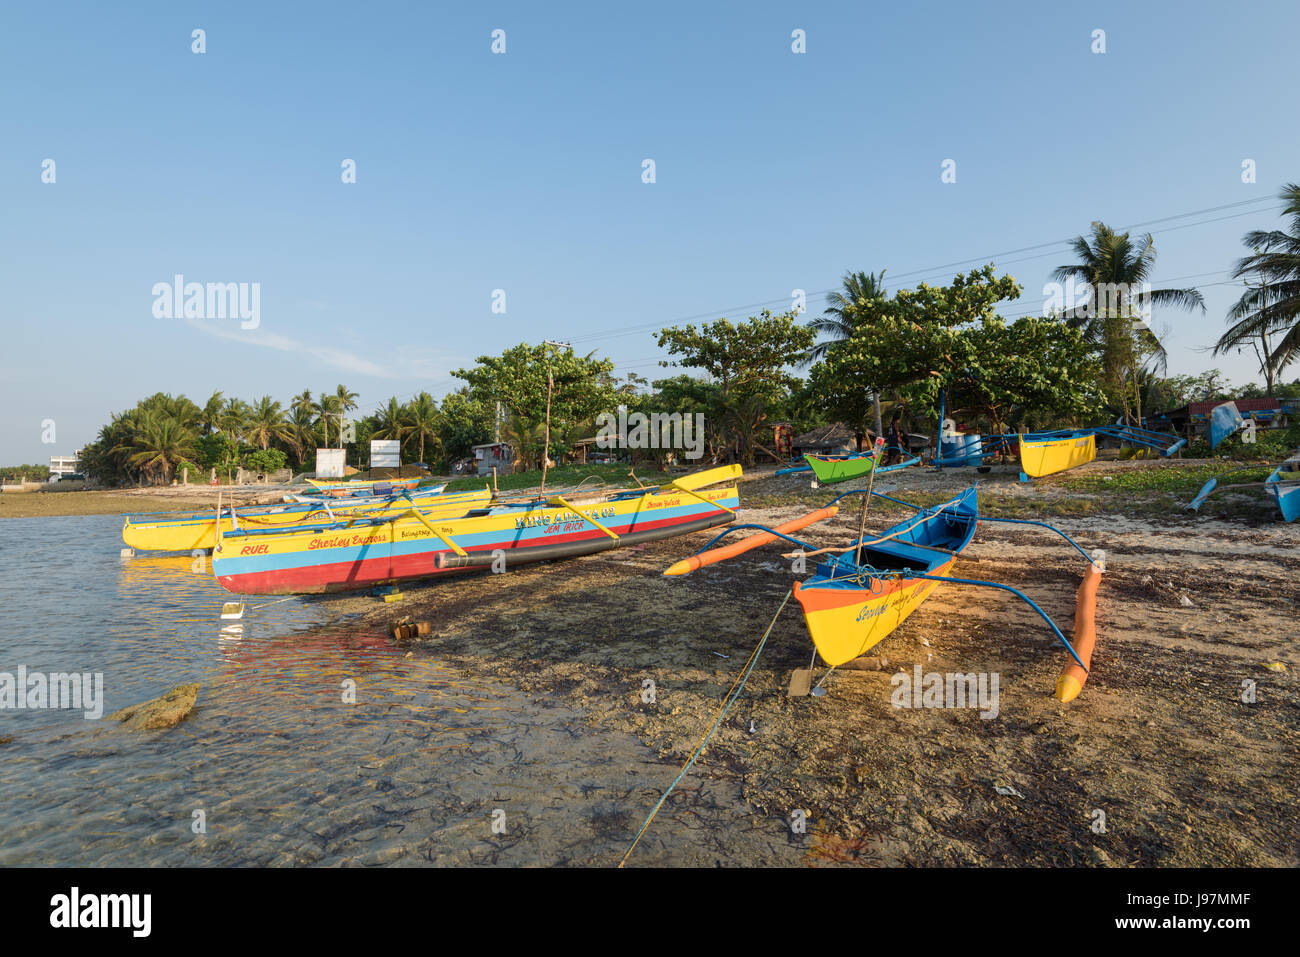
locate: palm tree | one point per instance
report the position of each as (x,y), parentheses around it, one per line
(234,418)
(346,401)
(1271,305)
(745,416)
(391,421)
(1118,270)
(266,423)
(422,416)
(211,413)
(301,434)
(847,313)
(328,408)
(303,400)
(161,443)
(527,437)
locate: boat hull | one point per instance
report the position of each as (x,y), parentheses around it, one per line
(849,608)
(1039,457)
(830,471)
(846,623)
(1287,497)
(332,560)
(185,532)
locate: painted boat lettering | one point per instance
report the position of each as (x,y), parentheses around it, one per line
(575,518)
(344,541)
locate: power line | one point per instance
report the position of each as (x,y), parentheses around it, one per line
(930,271)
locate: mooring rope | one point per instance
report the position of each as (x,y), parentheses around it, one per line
(737,687)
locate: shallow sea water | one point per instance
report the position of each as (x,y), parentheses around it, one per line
(430,765)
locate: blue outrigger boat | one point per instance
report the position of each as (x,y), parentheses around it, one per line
(1283,485)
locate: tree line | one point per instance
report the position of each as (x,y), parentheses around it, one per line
(871,354)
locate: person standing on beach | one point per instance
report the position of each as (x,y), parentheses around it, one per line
(895,442)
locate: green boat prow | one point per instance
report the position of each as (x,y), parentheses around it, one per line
(831,471)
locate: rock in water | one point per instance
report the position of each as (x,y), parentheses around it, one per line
(164,712)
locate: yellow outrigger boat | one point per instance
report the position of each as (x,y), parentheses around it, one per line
(374,550)
(186,531)
(1039,457)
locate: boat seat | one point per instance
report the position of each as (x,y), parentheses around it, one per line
(895,554)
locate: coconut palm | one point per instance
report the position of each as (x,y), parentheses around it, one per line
(211,413)
(391,421)
(527,437)
(1270,306)
(303,400)
(423,419)
(301,435)
(161,443)
(266,424)
(346,401)
(1118,270)
(846,313)
(329,408)
(234,418)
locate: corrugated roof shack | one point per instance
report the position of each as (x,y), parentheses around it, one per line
(836,437)
(1194,418)
(494,454)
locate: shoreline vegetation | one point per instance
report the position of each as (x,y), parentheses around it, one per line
(905,358)
(1141,487)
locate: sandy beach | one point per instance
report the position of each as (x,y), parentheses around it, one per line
(1159,762)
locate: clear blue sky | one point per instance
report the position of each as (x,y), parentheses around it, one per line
(522,171)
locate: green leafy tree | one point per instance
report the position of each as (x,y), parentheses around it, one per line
(466,420)
(518,378)
(265,460)
(746,358)
(912,346)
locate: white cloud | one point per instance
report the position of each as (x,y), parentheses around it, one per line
(407,362)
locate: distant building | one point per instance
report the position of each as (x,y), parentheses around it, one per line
(1195,416)
(61,465)
(498,454)
(836,437)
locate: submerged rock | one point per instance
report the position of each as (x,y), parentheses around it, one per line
(162,712)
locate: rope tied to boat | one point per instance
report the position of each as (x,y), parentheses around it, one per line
(737,687)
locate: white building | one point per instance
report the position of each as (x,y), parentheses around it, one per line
(61,465)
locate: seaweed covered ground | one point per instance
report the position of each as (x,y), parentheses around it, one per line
(1182,749)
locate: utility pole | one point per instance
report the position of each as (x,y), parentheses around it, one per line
(550,387)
